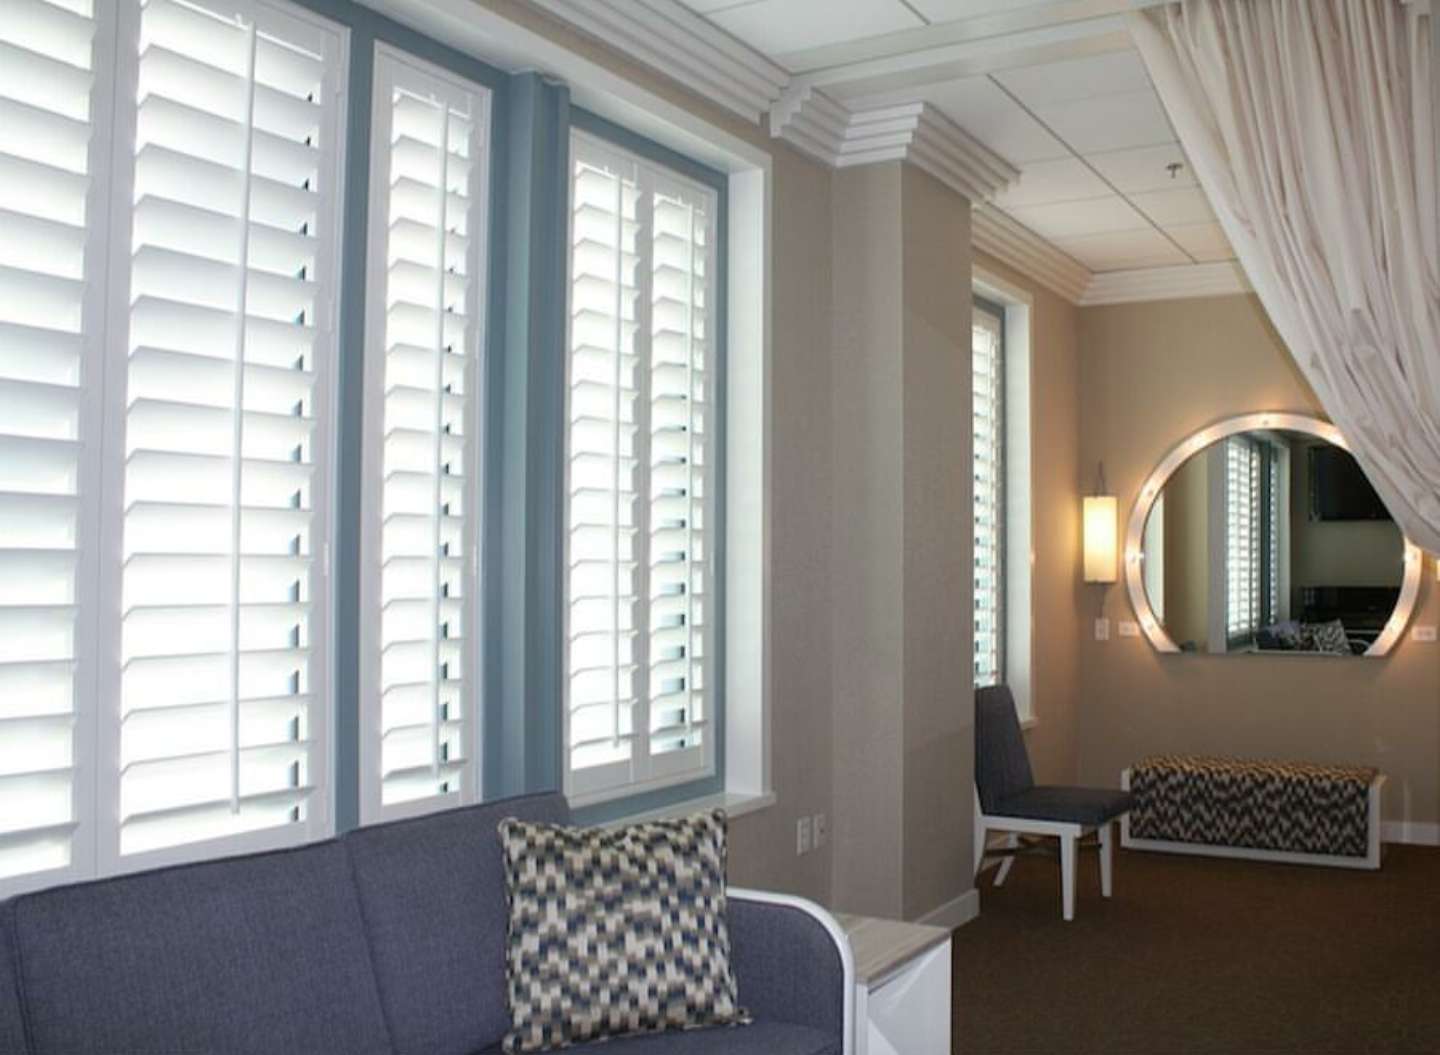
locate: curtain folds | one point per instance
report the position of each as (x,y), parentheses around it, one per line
(1309,125)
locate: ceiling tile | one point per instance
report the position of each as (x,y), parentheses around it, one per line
(955,10)
(1123,250)
(1144,168)
(1108,122)
(1043,182)
(1204,241)
(1073,218)
(978,105)
(777,26)
(1113,73)
(1174,206)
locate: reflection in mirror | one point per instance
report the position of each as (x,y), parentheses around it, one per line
(1272,541)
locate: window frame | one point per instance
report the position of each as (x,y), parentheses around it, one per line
(372,808)
(996,312)
(657,792)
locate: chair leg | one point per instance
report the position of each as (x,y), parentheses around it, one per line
(981,835)
(1013,842)
(1107,852)
(1067,875)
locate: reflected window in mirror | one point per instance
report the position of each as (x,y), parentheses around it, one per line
(988,453)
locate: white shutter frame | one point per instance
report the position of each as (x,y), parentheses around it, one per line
(643,768)
(274,19)
(395,69)
(80,831)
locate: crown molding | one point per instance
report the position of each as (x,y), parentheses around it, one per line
(1179,282)
(1012,243)
(914,132)
(671,39)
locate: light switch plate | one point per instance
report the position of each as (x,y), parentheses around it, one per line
(1102,629)
(1129,629)
(1423,633)
(802,836)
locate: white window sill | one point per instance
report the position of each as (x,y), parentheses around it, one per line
(734,805)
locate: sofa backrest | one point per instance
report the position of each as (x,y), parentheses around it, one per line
(12,1026)
(433,893)
(261,954)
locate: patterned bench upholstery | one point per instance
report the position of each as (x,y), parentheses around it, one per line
(1281,807)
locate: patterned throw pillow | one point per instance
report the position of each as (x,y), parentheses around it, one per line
(1331,638)
(616,931)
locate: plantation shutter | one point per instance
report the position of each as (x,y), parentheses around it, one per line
(428,210)
(988,379)
(50,313)
(639,572)
(227,425)
(1242,536)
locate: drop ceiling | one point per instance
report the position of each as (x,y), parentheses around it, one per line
(1052,86)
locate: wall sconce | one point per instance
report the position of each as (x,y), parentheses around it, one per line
(1101,521)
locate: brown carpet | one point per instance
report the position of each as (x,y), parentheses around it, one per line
(1197,954)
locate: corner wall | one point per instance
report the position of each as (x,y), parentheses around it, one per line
(1151,374)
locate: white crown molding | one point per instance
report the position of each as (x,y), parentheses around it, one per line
(1166,283)
(1012,243)
(914,132)
(671,39)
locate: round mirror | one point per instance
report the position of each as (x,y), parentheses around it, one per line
(1262,535)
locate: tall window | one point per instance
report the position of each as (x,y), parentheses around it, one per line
(640,475)
(423,439)
(988,433)
(164,481)
(1243,549)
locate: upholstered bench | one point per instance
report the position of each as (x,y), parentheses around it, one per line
(1273,811)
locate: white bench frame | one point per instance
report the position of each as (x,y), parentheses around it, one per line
(1069,835)
(1370,861)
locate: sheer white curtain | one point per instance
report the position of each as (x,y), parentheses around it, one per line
(1310,126)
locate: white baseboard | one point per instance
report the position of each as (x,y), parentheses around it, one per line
(1416,833)
(955,913)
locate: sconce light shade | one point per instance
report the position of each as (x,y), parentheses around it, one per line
(1101,525)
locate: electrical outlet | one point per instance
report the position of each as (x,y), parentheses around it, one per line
(802,836)
(1102,629)
(821,828)
(1129,629)
(1423,633)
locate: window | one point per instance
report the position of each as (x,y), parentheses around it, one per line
(640,475)
(167,463)
(988,419)
(1243,551)
(423,439)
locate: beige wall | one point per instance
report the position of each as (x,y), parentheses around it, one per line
(1187,554)
(1057,480)
(1151,374)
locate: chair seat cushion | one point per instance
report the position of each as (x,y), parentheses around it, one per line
(760,1038)
(1068,805)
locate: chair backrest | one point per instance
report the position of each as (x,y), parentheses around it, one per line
(1002,766)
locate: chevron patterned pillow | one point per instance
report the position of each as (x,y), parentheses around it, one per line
(616,931)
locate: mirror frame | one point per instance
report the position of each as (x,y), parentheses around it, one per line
(1155,483)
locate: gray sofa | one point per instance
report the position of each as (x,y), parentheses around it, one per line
(389,939)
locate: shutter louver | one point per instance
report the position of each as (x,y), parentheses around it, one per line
(638,474)
(48,378)
(988,380)
(226,424)
(426,274)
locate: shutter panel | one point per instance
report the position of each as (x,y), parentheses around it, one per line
(1242,536)
(638,478)
(227,425)
(423,446)
(50,309)
(988,380)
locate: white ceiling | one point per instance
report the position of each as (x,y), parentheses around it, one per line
(1087,133)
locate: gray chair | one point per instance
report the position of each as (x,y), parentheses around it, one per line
(1008,800)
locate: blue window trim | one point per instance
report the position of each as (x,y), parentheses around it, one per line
(368,28)
(595,125)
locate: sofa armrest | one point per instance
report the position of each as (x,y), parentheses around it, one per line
(792,963)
